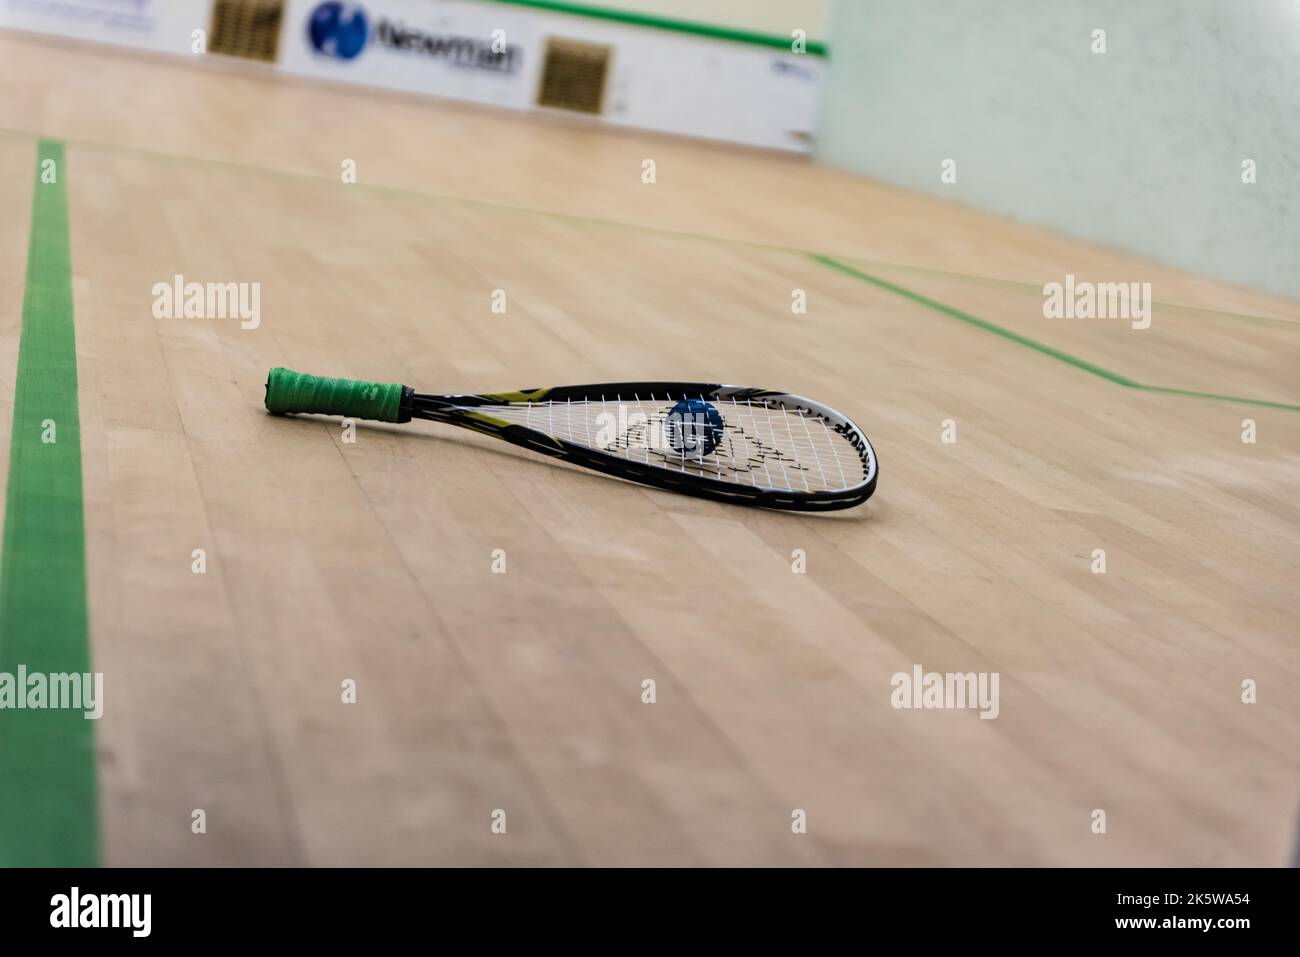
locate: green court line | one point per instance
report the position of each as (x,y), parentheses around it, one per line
(1034,344)
(48,804)
(712,31)
(1167,390)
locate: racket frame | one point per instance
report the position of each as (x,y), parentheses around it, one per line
(467,411)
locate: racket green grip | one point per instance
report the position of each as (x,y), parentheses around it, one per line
(288,391)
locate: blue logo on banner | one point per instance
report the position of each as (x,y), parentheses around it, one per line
(339,29)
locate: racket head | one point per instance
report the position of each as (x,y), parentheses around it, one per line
(771,449)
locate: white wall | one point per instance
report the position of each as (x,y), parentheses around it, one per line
(1139,148)
(668,80)
(662,80)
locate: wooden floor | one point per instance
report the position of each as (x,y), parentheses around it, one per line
(521,691)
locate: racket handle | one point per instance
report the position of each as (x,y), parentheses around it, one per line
(288,391)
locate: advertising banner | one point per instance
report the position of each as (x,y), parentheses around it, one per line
(481,52)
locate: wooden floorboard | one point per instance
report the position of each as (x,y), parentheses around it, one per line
(330,561)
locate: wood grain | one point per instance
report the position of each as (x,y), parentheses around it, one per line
(372,561)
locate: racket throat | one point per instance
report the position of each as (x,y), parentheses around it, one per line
(406,408)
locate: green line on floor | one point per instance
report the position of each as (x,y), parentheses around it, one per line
(1034,344)
(48,802)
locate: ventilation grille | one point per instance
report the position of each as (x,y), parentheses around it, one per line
(573,76)
(247,28)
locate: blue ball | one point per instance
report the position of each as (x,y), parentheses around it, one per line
(693,428)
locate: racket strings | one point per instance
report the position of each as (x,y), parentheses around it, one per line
(766,446)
